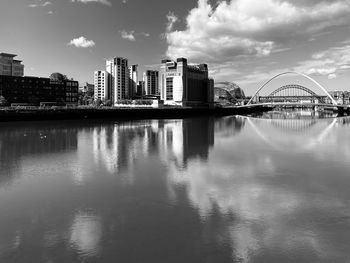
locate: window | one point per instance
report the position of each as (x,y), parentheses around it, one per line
(169,88)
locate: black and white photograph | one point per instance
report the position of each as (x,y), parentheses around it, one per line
(174,131)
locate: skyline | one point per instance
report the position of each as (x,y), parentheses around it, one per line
(240,43)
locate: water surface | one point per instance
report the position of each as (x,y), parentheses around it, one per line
(232,189)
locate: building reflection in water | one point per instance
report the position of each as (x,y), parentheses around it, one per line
(118,147)
(86,234)
(191,190)
(18,142)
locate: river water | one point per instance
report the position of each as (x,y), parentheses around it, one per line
(273,188)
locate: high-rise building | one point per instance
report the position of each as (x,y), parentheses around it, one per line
(185,85)
(101,85)
(151,79)
(133,79)
(119,78)
(10,66)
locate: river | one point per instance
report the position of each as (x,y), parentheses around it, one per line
(270,188)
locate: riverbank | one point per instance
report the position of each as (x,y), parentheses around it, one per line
(37,114)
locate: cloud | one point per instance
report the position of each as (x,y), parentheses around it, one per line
(124,1)
(172,19)
(332,76)
(46,3)
(128,35)
(327,62)
(41,3)
(104,2)
(81,42)
(250,28)
(145,34)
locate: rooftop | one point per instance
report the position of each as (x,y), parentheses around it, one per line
(7,55)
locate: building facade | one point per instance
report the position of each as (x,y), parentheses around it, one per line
(10,66)
(133,80)
(140,92)
(102,89)
(151,80)
(35,91)
(119,78)
(185,85)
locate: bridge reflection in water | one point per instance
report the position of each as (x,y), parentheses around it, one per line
(232,189)
(305,124)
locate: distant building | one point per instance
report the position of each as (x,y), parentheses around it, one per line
(185,85)
(102,89)
(151,80)
(87,88)
(341,97)
(119,78)
(10,66)
(140,91)
(133,80)
(34,90)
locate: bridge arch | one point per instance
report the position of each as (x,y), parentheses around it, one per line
(294,73)
(299,87)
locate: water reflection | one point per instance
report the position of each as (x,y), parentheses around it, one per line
(86,233)
(232,189)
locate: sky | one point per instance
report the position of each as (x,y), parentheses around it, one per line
(243,41)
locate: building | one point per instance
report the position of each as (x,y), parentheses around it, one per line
(151,80)
(102,89)
(87,88)
(36,91)
(10,66)
(185,85)
(140,91)
(119,78)
(133,80)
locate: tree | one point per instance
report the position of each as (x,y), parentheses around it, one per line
(98,102)
(107,103)
(58,76)
(3,101)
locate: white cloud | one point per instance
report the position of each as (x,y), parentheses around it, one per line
(105,2)
(41,3)
(124,1)
(46,3)
(327,63)
(332,76)
(146,34)
(81,42)
(249,27)
(128,35)
(172,19)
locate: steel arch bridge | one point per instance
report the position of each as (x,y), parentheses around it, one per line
(287,87)
(294,92)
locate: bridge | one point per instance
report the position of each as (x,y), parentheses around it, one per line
(294,95)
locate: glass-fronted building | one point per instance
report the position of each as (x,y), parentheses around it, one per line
(35,91)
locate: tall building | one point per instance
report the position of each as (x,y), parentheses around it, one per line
(101,85)
(10,66)
(133,80)
(151,79)
(185,85)
(119,78)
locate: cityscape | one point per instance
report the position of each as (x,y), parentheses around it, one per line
(177,83)
(203,131)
